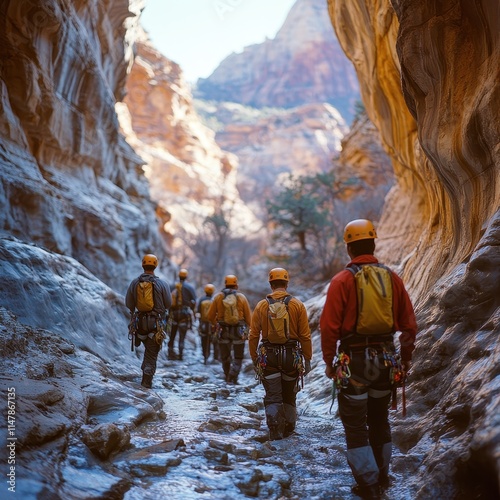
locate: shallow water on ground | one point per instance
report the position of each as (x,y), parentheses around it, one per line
(218,446)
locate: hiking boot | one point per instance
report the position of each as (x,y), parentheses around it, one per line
(275,433)
(147,381)
(371,492)
(384,481)
(172,356)
(289,429)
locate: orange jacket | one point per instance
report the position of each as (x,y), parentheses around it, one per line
(338,318)
(299,324)
(216,311)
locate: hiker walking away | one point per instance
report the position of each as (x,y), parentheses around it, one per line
(365,329)
(281,350)
(207,333)
(230,314)
(183,305)
(148,299)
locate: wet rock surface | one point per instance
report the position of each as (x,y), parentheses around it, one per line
(83,432)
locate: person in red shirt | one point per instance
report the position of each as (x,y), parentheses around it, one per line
(364,397)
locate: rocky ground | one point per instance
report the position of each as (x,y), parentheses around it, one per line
(86,430)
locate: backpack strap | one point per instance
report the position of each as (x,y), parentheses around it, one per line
(285,301)
(354,268)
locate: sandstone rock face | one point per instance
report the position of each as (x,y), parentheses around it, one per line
(366,165)
(303,64)
(299,141)
(424,206)
(189,173)
(429,77)
(69,182)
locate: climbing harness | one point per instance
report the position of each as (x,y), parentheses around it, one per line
(282,353)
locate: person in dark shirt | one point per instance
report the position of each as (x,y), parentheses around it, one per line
(183,306)
(148,322)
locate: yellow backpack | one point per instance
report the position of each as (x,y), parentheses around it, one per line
(204,307)
(374,293)
(177,296)
(230,302)
(145,295)
(279,320)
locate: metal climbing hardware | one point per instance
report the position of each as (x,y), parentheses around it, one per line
(341,375)
(163,327)
(261,362)
(133,326)
(393,361)
(298,364)
(370,353)
(342,371)
(397,376)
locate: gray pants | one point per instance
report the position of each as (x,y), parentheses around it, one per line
(152,348)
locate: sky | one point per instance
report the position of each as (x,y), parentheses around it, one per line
(199,34)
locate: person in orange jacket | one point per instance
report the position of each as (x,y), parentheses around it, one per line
(279,365)
(231,337)
(365,397)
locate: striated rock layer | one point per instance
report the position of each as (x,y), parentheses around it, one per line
(190,175)
(298,141)
(429,78)
(69,181)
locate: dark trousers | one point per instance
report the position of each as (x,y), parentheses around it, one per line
(152,348)
(231,364)
(207,340)
(364,410)
(280,384)
(181,327)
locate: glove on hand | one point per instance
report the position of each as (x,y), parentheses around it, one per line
(307,366)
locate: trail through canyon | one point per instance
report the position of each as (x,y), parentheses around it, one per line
(213,442)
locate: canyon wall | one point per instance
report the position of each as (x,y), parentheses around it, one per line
(191,176)
(69,182)
(429,81)
(429,78)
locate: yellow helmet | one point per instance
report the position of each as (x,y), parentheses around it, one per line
(230,280)
(209,289)
(183,274)
(278,273)
(359,229)
(150,260)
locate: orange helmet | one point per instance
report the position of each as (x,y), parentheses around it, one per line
(183,274)
(150,260)
(209,289)
(278,273)
(230,280)
(359,229)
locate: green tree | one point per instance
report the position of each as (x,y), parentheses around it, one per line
(304,220)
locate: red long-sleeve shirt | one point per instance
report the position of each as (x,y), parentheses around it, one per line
(338,318)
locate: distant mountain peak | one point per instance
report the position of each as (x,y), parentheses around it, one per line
(303,64)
